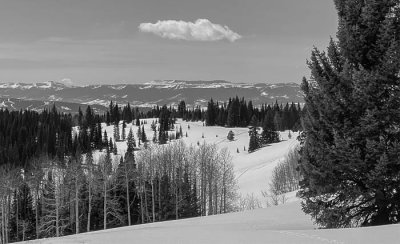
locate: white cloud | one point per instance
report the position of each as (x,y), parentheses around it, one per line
(201,30)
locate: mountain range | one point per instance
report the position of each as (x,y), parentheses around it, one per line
(68,98)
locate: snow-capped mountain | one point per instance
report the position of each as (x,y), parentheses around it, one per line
(145,94)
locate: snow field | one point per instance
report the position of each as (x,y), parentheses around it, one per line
(282,224)
(253,170)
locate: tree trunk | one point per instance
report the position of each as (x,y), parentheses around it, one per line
(23,230)
(128,201)
(159,199)
(153,201)
(57,215)
(145,203)
(3,233)
(105,206)
(210,196)
(215,199)
(37,214)
(76,206)
(17,218)
(8,211)
(176,203)
(89,208)
(141,206)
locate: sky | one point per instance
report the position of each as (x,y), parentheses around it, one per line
(136,41)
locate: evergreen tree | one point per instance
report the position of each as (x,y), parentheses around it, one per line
(254,140)
(116,131)
(137,120)
(231,136)
(123,135)
(144,137)
(105,139)
(131,141)
(211,113)
(269,133)
(350,144)
(139,133)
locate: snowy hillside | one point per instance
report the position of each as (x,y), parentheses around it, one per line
(282,225)
(253,170)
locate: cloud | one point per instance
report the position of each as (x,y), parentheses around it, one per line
(201,30)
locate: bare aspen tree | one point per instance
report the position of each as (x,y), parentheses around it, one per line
(228,182)
(35,178)
(105,168)
(91,180)
(76,175)
(51,222)
(140,180)
(128,168)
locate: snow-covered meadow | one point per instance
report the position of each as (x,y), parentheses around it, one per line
(282,224)
(253,170)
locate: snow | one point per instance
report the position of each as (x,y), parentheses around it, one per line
(281,225)
(253,170)
(98,101)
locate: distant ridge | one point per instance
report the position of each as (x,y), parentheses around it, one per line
(147,94)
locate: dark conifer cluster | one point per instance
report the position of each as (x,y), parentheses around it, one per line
(52,185)
(351,142)
(26,134)
(240,113)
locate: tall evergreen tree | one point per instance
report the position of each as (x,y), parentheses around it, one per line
(123,133)
(131,141)
(269,133)
(116,131)
(254,143)
(350,146)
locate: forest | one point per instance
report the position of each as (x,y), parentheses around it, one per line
(61,174)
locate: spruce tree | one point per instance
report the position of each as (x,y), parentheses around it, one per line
(231,136)
(269,133)
(123,133)
(254,140)
(144,137)
(130,141)
(351,140)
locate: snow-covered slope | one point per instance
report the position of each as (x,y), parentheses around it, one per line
(253,170)
(281,225)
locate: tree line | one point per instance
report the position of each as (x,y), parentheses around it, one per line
(53,197)
(61,174)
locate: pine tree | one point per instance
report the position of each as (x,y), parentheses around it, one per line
(231,136)
(123,134)
(131,141)
(254,140)
(144,137)
(269,133)
(115,149)
(351,139)
(116,131)
(139,133)
(137,120)
(105,139)
(211,113)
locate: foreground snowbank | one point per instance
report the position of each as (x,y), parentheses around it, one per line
(281,224)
